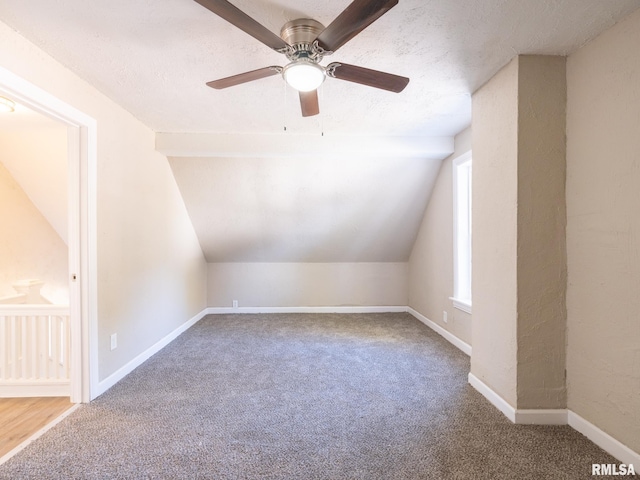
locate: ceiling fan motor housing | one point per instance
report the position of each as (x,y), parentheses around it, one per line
(301,35)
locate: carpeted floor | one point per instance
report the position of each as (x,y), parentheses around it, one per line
(302,396)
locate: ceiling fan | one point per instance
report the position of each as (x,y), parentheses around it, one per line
(305,42)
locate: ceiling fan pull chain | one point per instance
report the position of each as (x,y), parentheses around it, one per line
(321,115)
(284,112)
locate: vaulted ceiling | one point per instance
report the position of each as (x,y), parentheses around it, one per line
(305,210)
(306,197)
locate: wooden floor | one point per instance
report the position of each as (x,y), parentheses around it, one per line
(22,417)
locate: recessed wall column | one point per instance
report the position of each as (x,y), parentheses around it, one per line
(519,219)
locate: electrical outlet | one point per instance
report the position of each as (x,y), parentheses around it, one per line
(444,316)
(114,341)
(235,304)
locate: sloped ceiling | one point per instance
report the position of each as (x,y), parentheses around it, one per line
(154,58)
(33,148)
(305,210)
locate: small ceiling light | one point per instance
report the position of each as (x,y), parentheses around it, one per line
(304,75)
(7,105)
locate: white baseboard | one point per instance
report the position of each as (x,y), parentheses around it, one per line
(545,416)
(495,399)
(336,309)
(463,346)
(123,371)
(35,389)
(559,417)
(604,440)
(38,434)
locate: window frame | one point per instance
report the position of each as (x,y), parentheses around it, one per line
(462,274)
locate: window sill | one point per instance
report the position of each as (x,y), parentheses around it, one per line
(461,305)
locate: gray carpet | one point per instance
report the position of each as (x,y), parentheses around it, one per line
(302,396)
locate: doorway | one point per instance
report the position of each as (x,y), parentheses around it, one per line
(81,158)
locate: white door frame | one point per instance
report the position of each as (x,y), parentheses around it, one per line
(82,159)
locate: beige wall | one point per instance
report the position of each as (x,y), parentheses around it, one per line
(519,260)
(307,284)
(603,225)
(541,277)
(431,261)
(494,250)
(29,247)
(151,271)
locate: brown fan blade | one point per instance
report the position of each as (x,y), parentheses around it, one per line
(244,22)
(355,18)
(365,76)
(309,103)
(244,77)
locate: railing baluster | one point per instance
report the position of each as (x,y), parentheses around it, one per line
(37,346)
(23,347)
(46,353)
(33,342)
(13,348)
(4,352)
(43,348)
(67,346)
(55,354)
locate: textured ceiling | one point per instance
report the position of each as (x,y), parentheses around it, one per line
(153,57)
(305,198)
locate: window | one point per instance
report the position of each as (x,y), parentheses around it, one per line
(462,232)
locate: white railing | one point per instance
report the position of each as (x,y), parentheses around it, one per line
(34,350)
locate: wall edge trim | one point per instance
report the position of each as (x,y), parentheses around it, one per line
(495,399)
(605,441)
(554,417)
(134,363)
(541,416)
(537,416)
(450,337)
(335,309)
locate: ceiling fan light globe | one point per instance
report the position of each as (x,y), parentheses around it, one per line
(304,76)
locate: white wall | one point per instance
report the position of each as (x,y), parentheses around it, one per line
(29,247)
(151,271)
(603,232)
(307,284)
(431,261)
